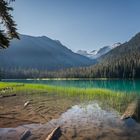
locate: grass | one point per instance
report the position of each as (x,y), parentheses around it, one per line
(117,100)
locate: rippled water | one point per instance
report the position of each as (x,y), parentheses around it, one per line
(81,122)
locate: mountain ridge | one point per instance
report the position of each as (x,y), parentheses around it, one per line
(122,62)
(40,53)
(95,54)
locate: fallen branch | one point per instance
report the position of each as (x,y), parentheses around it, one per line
(53,133)
(26,104)
(4,96)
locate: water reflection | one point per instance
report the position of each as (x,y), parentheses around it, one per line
(84,121)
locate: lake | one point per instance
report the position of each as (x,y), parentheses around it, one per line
(78,119)
(129,86)
(80,122)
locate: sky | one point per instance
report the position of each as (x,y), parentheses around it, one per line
(79,24)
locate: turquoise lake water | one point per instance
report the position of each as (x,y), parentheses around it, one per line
(130,86)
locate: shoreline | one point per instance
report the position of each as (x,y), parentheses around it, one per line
(71,79)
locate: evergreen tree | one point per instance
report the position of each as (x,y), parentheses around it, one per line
(8,29)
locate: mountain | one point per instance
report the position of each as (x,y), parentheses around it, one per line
(102,51)
(85,53)
(82,52)
(40,53)
(115,45)
(126,50)
(121,62)
(95,54)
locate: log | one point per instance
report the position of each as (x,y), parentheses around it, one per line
(4,96)
(132,111)
(53,133)
(26,104)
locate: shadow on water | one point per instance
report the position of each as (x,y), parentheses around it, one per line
(57,135)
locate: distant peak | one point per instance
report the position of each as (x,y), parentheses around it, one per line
(93,51)
(116,45)
(81,51)
(137,36)
(58,42)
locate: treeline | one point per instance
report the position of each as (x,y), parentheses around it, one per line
(121,62)
(126,67)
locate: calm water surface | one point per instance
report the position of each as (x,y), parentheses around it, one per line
(79,121)
(130,86)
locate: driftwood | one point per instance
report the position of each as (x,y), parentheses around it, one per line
(4,96)
(25,135)
(26,104)
(53,134)
(132,111)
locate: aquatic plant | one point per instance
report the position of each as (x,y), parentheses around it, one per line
(117,100)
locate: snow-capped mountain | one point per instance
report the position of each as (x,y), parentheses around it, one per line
(83,52)
(116,45)
(98,53)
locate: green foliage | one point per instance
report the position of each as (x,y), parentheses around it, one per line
(9,32)
(117,100)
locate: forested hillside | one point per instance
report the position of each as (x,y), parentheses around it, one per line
(40,53)
(121,62)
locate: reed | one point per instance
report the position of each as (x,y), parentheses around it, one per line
(117,100)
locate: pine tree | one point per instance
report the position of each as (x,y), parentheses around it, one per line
(8,29)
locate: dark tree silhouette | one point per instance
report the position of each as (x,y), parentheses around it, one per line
(8,29)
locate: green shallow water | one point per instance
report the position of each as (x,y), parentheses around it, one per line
(78,119)
(129,86)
